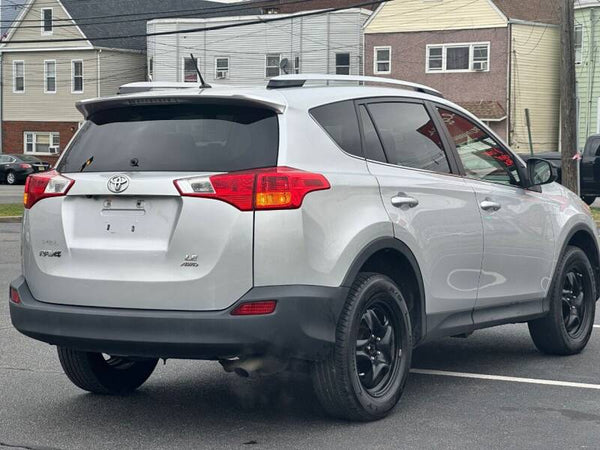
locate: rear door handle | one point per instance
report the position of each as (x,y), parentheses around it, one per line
(402,199)
(488,205)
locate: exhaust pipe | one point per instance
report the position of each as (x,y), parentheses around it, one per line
(249,367)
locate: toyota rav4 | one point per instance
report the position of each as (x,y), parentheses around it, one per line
(330,228)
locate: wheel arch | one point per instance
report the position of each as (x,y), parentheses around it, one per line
(393,258)
(580,236)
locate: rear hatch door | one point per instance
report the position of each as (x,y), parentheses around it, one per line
(125,236)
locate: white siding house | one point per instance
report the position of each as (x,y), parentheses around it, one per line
(328,43)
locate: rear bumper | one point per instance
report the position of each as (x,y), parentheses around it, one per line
(302,326)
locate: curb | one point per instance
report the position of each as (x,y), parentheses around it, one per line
(11,219)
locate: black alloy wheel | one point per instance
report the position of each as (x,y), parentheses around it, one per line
(376,353)
(573,305)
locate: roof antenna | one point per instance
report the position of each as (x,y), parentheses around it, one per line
(203,84)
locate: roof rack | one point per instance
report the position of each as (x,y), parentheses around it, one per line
(292,81)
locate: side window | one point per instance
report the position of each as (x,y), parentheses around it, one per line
(341,123)
(409,136)
(482,157)
(3,159)
(373,147)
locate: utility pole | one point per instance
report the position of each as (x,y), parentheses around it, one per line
(568,107)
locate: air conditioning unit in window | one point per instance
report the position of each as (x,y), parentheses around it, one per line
(221,74)
(480,66)
(53,150)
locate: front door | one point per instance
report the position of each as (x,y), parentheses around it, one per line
(433,210)
(517,223)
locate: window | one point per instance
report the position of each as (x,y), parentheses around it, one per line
(296,64)
(272,63)
(47,26)
(190,71)
(19,76)
(409,136)
(341,123)
(150,68)
(578,44)
(49,77)
(482,157)
(41,142)
(383,60)
(198,137)
(221,68)
(458,57)
(77,74)
(342,63)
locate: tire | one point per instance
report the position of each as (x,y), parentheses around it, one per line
(567,328)
(588,199)
(344,383)
(114,376)
(11,178)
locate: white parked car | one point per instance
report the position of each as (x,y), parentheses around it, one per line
(295,226)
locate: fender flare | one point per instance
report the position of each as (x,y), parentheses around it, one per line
(391,243)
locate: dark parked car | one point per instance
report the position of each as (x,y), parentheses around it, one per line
(15,168)
(589,166)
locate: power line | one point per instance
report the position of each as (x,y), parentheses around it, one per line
(199,29)
(209,9)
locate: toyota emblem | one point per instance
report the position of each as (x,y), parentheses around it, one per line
(118,183)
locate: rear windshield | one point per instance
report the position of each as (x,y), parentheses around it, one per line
(186,138)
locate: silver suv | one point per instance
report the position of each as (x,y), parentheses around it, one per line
(326,228)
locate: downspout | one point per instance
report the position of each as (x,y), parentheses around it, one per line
(328,44)
(591,73)
(1,101)
(2,91)
(509,86)
(98,73)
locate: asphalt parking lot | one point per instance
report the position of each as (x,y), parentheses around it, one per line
(542,402)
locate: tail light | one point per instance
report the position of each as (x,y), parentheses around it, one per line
(274,188)
(25,166)
(45,185)
(259,308)
(14,295)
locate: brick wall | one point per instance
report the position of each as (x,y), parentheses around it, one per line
(12,135)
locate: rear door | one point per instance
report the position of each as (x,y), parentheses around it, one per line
(432,209)
(518,223)
(124,237)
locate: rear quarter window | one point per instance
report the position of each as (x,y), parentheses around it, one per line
(173,138)
(341,123)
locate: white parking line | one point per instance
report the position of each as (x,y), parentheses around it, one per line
(479,376)
(596,326)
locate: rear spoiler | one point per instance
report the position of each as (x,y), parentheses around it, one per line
(89,107)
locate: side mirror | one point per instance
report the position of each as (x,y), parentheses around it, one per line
(540,172)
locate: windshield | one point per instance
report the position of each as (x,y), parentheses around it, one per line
(190,138)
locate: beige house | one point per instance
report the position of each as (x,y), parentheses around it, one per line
(42,81)
(497,58)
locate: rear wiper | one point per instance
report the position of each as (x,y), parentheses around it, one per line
(87,163)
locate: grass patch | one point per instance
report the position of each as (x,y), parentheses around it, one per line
(13,209)
(596,214)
